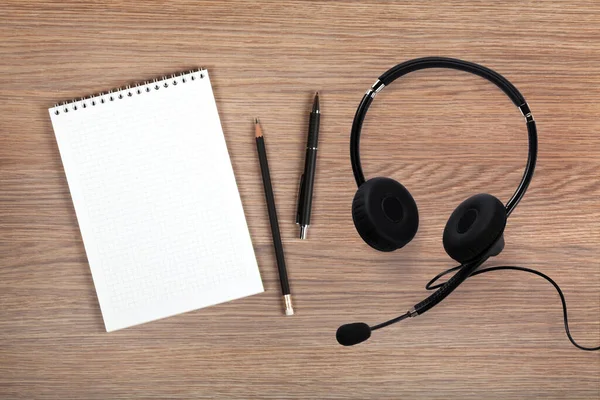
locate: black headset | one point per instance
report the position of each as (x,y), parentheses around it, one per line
(386,215)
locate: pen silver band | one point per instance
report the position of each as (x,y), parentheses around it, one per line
(303,231)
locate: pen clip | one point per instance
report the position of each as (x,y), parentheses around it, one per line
(299,200)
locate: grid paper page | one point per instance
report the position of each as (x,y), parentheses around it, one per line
(156,200)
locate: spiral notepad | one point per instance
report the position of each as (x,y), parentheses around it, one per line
(156,199)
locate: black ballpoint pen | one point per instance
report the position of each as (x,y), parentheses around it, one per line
(307,180)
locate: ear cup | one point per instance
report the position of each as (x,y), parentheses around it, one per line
(385,214)
(474,227)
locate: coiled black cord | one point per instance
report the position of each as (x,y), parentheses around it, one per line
(430,286)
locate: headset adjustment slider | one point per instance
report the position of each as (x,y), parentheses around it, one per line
(524,108)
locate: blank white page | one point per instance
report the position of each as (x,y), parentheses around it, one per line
(156,200)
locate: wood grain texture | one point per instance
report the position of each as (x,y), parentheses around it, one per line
(443,134)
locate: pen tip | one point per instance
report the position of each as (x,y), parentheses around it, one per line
(256,121)
(316,105)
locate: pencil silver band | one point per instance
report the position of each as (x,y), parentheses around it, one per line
(289,309)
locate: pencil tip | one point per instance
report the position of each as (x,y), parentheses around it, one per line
(257,128)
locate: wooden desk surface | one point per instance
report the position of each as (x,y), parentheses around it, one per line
(445,135)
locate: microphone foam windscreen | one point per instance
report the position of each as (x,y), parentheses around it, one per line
(351,334)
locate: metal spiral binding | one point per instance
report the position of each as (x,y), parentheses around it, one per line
(130,90)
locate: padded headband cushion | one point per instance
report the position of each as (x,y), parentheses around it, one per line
(452,63)
(475,225)
(385,214)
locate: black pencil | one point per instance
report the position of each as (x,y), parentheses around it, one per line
(266,177)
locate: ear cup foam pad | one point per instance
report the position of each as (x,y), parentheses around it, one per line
(385,214)
(475,225)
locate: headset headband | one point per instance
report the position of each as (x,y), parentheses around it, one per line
(440,62)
